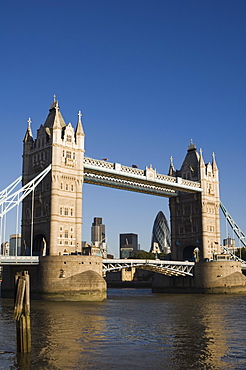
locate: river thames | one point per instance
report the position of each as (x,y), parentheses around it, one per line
(132,329)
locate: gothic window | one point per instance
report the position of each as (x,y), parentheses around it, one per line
(66,186)
(66,234)
(28,212)
(61,186)
(73,155)
(72,187)
(69,138)
(68,154)
(187,210)
(71,213)
(63,153)
(38,211)
(178,212)
(188,228)
(60,211)
(66,212)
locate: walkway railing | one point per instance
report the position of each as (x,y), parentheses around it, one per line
(147,181)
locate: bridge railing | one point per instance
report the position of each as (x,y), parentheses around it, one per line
(170,268)
(148,174)
(19,260)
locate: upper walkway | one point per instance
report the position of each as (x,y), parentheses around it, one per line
(115,175)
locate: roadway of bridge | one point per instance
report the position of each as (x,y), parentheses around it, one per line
(170,268)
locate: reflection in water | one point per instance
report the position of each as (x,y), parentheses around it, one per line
(133,329)
(198,336)
(60,328)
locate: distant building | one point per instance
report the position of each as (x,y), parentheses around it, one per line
(230,244)
(90,250)
(161,238)
(15,245)
(128,245)
(98,236)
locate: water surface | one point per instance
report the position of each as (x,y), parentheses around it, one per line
(132,329)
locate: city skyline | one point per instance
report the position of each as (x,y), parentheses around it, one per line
(148,76)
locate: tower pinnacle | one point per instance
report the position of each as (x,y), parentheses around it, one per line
(79,129)
(29,130)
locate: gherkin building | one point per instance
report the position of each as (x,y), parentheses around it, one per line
(161,237)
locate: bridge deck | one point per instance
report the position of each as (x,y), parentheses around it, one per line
(171,268)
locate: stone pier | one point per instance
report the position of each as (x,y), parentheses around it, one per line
(209,277)
(61,278)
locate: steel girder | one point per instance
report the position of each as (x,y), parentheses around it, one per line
(170,268)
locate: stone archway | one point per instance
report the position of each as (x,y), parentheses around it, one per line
(40,246)
(191,253)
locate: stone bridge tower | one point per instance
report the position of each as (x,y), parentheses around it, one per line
(52,218)
(195,220)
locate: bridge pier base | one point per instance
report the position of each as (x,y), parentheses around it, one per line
(61,278)
(209,277)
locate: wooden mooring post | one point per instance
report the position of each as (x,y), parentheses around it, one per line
(22,311)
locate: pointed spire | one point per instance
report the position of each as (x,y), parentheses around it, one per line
(28,134)
(29,126)
(171,171)
(55,103)
(79,129)
(214,165)
(201,160)
(192,146)
(54,118)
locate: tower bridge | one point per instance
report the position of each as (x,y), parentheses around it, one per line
(51,229)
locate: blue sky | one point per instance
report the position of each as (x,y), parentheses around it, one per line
(148,75)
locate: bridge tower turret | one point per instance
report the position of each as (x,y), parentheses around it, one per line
(52,218)
(195,220)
